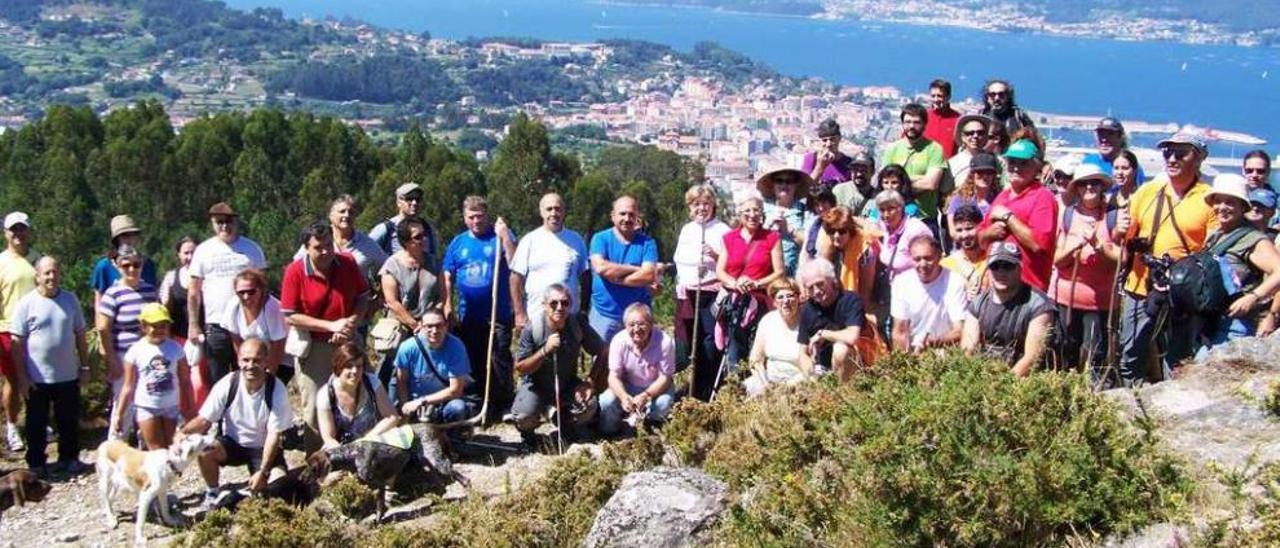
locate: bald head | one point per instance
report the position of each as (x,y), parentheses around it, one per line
(48,276)
(551,206)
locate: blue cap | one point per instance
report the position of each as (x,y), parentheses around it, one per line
(1264,196)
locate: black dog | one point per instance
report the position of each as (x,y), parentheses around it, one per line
(20,487)
(298,487)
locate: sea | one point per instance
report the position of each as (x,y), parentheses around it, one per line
(1232,88)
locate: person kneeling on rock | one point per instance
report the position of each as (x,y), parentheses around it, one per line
(642,363)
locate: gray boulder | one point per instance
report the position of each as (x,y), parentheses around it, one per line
(662,507)
(1213,412)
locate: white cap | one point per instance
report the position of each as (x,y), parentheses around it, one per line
(16,218)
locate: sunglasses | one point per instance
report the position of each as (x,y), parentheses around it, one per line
(130,266)
(784,181)
(417,237)
(997,94)
(1002,267)
(1015,163)
(412,198)
(1183,153)
(839,231)
(247,292)
(1091,184)
(1255,171)
(558,304)
(975,133)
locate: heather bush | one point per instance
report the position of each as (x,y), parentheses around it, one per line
(351,498)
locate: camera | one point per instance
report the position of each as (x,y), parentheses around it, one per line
(1157,271)
(1138,246)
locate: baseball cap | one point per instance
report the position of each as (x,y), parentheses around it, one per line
(862,158)
(1182,138)
(154,313)
(1022,149)
(983,161)
(406,189)
(223,209)
(1264,196)
(1110,124)
(16,218)
(1005,252)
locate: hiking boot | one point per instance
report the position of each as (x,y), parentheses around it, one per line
(14,439)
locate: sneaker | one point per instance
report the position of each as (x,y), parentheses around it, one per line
(14,439)
(211,499)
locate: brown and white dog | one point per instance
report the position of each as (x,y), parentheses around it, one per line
(20,487)
(148,474)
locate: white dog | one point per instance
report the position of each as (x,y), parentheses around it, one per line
(148,474)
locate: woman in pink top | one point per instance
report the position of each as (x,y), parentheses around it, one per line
(752,259)
(1085,259)
(896,231)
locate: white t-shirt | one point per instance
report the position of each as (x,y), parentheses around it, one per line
(217,264)
(544,258)
(932,309)
(688,253)
(157,373)
(268,326)
(248,420)
(781,351)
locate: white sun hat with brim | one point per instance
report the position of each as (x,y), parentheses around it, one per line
(1229,184)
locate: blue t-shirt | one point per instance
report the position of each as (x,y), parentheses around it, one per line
(450,362)
(104,274)
(607,298)
(1096,159)
(469,260)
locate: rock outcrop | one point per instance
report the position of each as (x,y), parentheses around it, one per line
(662,507)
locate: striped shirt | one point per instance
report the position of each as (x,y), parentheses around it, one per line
(123,304)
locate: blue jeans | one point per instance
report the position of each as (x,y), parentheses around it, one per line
(604,326)
(611,412)
(1173,338)
(1227,330)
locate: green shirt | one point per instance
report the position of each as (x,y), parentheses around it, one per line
(917,162)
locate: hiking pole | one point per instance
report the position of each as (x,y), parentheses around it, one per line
(555,371)
(695,336)
(1071,303)
(481,418)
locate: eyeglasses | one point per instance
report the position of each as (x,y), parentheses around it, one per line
(1255,171)
(994,94)
(558,304)
(247,292)
(1002,267)
(784,296)
(433,325)
(975,133)
(1182,153)
(130,266)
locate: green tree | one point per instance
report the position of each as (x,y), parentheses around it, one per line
(523,169)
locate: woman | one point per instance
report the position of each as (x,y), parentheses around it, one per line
(173,295)
(1085,258)
(775,355)
(349,241)
(783,189)
(155,381)
(843,243)
(1124,170)
(972,131)
(117,321)
(124,231)
(896,230)
(408,286)
(1251,257)
(256,314)
(979,188)
(353,404)
(700,244)
(998,139)
(752,260)
(893,177)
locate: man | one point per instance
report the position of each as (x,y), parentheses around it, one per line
(941,125)
(827,165)
(973,140)
(468,267)
(1166,216)
(1010,321)
(252,408)
(323,294)
(408,204)
(1110,140)
(830,322)
(214,266)
(969,259)
(432,374)
(17,278)
(624,262)
(1025,214)
(550,254)
(999,104)
(1257,169)
(928,302)
(548,354)
(923,159)
(49,348)
(855,192)
(642,367)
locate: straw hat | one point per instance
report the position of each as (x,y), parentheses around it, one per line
(123,224)
(764,183)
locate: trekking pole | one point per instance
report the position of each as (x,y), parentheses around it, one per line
(481,418)
(1071,306)
(1113,334)
(695,336)
(555,371)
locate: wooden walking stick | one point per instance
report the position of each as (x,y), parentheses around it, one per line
(481,418)
(555,372)
(695,336)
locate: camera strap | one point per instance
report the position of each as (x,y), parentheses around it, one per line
(1173,220)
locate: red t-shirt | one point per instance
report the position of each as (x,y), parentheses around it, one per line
(1038,209)
(304,291)
(941,128)
(760,263)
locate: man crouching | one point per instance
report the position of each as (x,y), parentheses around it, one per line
(252,408)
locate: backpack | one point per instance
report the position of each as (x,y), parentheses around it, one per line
(1195,281)
(235,387)
(1110,218)
(368,386)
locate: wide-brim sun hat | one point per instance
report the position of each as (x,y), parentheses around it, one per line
(764,183)
(1228,185)
(986,120)
(1089,172)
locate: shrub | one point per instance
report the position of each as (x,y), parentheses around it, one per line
(351,498)
(936,451)
(259,523)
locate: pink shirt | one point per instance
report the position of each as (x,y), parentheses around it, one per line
(1095,274)
(639,368)
(1037,208)
(760,261)
(895,247)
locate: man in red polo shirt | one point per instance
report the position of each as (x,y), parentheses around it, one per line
(941,124)
(323,296)
(1026,214)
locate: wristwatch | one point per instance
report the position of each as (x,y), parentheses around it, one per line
(1005,218)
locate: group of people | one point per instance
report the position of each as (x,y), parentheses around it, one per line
(966,237)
